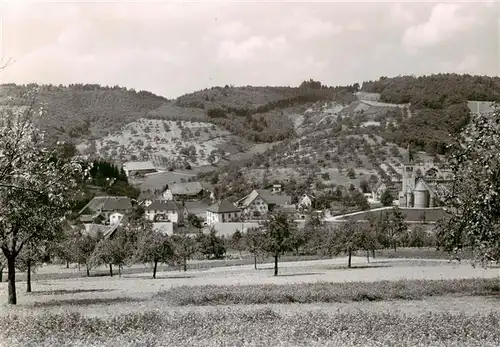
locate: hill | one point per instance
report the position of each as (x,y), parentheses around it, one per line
(84,111)
(438,103)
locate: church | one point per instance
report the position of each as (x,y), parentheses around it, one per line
(420,184)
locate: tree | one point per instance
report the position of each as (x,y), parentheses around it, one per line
(210,245)
(278,231)
(84,246)
(184,248)
(397,226)
(254,241)
(386,198)
(237,242)
(28,259)
(473,200)
(36,187)
(153,247)
(346,238)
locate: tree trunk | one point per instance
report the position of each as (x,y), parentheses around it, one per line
(185,264)
(1,273)
(79,268)
(154,269)
(368,256)
(28,276)
(373,253)
(11,278)
(88,270)
(120,270)
(255,261)
(275,265)
(111,270)
(349,260)
(67,264)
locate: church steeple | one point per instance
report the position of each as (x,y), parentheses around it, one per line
(408,157)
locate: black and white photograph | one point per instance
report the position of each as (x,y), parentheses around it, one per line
(249,173)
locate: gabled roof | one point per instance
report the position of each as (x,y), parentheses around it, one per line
(162,205)
(223,206)
(267,196)
(187,188)
(276,199)
(108,203)
(139,165)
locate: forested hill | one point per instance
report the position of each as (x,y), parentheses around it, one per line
(438,103)
(261,114)
(80,111)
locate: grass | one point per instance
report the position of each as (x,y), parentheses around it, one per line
(327,292)
(258,327)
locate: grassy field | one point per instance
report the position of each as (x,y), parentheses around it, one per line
(388,302)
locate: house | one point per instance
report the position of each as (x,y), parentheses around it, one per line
(164,211)
(223,212)
(138,168)
(105,209)
(306,201)
(186,191)
(260,201)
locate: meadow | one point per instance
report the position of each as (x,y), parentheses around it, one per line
(387,302)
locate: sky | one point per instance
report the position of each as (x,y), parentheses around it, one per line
(175,47)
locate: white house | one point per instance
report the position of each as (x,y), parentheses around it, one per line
(110,208)
(223,212)
(164,210)
(138,168)
(306,200)
(115,217)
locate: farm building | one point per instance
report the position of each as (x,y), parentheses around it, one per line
(184,191)
(223,212)
(138,168)
(164,211)
(261,201)
(106,209)
(306,201)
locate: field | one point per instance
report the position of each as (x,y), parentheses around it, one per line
(387,302)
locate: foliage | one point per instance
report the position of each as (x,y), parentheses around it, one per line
(153,247)
(79,111)
(438,103)
(278,233)
(184,247)
(211,246)
(386,198)
(396,226)
(305,293)
(474,199)
(347,238)
(254,327)
(37,184)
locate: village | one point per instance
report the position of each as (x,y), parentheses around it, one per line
(171,199)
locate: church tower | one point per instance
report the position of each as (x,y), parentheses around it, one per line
(408,180)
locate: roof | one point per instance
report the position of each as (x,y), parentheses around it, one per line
(159,180)
(367,96)
(188,188)
(276,199)
(378,104)
(108,203)
(198,208)
(287,209)
(223,206)
(162,205)
(267,196)
(147,195)
(139,165)
(483,107)
(421,186)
